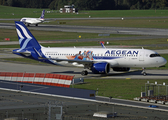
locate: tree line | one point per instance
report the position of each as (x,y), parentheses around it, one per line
(89,4)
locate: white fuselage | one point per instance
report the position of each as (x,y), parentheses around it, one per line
(32,20)
(115,57)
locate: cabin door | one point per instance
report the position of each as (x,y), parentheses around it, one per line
(141,56)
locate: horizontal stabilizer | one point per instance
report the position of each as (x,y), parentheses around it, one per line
(23,52)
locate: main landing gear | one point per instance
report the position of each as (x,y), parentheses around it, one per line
(27,24)
(143,71)
(84,72)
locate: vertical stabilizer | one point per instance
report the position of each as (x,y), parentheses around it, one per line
(26,39)
(42,15)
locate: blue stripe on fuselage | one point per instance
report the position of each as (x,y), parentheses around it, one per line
(105,57)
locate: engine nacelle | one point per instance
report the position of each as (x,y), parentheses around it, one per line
(121,69)
(101,68)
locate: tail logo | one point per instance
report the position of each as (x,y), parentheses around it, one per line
(42,15)
(26,39)
(23,35)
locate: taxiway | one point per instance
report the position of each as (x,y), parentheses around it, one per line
(94,29)
(45,68)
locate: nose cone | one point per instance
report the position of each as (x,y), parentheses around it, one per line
(163,61)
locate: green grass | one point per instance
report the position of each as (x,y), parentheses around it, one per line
(135,23)
(54,35)
(23,60)
(139,43)
(127,13)
(10,46)
(133,43)
(7,12)
(117,88)
(15,12)
(114,42)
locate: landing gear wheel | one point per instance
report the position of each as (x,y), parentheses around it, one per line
(84,72)
(27,24)
(143,71)
(36,24)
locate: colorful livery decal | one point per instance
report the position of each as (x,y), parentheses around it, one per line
(86,55)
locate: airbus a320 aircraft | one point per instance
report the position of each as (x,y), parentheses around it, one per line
(98,60)
(33,21)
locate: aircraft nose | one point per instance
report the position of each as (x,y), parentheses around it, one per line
(163,61)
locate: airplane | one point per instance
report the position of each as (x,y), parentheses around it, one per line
(97,60)
(33,21)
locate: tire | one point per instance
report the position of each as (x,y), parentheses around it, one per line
(84,72)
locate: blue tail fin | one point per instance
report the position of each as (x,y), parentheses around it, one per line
(26,39)
(42,15)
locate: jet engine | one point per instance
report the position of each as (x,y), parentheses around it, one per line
(101,68)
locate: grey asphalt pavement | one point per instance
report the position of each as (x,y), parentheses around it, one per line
(94,29)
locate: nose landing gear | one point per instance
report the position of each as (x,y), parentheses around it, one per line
(143,71)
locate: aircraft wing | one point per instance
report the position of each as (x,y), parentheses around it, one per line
(113,63)
(28,21)
(49,20)
(31,22)
(71,60)
(77,61)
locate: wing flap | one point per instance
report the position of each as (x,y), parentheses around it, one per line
(77,61)
(70,60)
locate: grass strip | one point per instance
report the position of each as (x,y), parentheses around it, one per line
(17,12)
(118,88)
(152,44)
(161,23)
(55,35)
(23,60)
(133,23)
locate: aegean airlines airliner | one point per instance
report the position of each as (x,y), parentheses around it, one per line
(97,60)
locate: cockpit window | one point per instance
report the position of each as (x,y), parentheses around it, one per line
(154,55)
